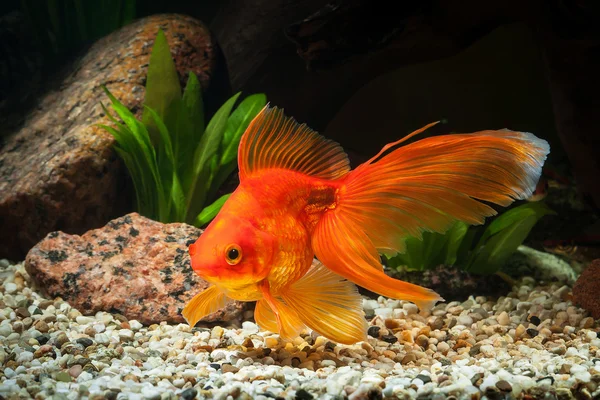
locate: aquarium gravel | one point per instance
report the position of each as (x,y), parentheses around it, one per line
(530,342)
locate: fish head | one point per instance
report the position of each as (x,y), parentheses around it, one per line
(232,252)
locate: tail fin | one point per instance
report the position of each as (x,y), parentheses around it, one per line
(423,186)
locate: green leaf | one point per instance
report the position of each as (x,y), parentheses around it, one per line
(208,213)
(206,149)
(133,138)
(166,167)
(454,238)
(236,126)
(165,139)
(190,125)
(177,200)
(421,254)
(162,85)
(192,101)
(503,236)
(238,123)
(139,133)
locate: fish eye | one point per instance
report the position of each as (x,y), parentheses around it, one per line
(233,254)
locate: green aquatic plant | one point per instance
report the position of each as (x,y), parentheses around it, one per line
(176,162)
(476,249)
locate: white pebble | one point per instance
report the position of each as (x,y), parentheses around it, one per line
(135,325)
(5,329)
(384,313)
(503,319)
(85,376)
(410,308)
(126,334)
(24,357)
(10,287)
(101,338)
(83,320)
(249,327)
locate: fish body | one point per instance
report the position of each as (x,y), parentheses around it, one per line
(281,216)
(298,199)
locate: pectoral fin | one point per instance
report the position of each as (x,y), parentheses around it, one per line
(328,304)
(206,302)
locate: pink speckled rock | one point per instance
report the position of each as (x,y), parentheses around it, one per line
(132,266)
(586,290)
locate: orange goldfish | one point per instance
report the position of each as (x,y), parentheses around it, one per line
(298,198)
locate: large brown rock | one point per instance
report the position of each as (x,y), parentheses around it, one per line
(133,266)
(586,291)
(58,172)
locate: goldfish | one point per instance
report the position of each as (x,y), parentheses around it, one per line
(302,229)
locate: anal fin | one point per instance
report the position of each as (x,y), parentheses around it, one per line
(289,326)
(328,304)
(265,317)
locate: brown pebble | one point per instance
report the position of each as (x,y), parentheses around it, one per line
(556,329)
(408,358)
(587,323)
(41,326)
(422,341)
(477,379)
(519,331)
(461,343)
(565,369)
(19,281)
(229,368)
(61,339)
(392,324)
(45,350)
(125,325)
(91,332)
(131,377)
(504,386)
(248,343)
(203,348)
(45,304)
(437,323)
(22,312)
(406,337)
(120,317)
(473,351)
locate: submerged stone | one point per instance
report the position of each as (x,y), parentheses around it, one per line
(133,266)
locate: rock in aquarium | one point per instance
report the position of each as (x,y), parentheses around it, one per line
(133,266)
(58,170)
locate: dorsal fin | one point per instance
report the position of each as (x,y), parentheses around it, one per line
(274,140)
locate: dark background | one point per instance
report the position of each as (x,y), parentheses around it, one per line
(366,73)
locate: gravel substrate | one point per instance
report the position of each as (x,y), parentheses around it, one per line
(532,342)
